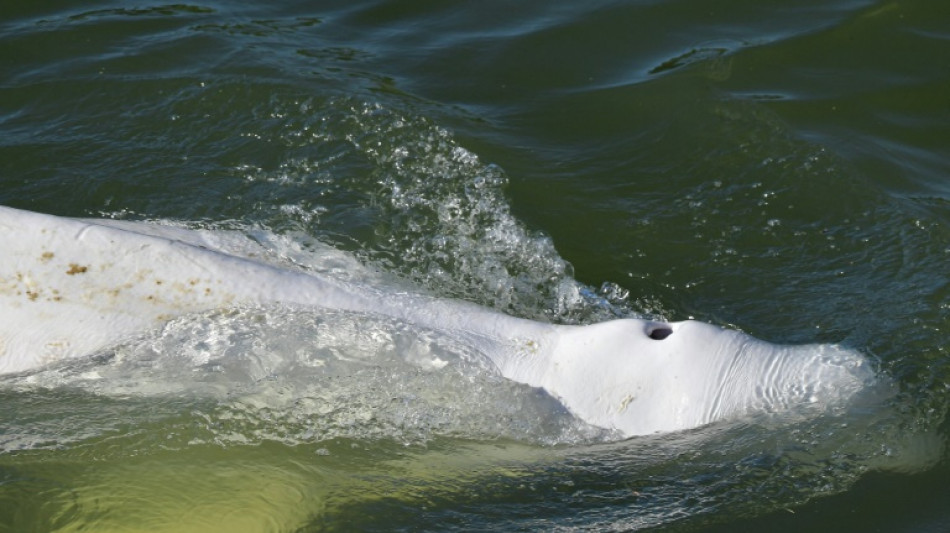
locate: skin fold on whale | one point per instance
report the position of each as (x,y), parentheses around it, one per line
(71,288)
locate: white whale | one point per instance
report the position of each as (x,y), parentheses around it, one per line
(70,288)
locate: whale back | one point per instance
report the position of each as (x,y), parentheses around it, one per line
(71,287)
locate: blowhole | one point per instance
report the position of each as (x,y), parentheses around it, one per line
(659,333)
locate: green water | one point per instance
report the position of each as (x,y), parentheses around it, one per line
(780,167)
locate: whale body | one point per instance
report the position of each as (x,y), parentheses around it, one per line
(71,288)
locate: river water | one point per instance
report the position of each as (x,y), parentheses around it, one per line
(780,167)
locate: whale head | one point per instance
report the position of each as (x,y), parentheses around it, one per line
(641,377)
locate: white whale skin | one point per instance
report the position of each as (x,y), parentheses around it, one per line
(70,288)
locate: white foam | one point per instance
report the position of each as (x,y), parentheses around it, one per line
(303,375)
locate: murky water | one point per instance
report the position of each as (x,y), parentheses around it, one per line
(779,168)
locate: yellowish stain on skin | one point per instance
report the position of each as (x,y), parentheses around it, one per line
(55,350)
(625,403)
(76,269)
(46,257)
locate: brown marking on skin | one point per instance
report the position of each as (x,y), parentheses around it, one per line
(192,282)
(54,350)
(32,295)
(46,257)
(158,282)
(76,269)
(207,291)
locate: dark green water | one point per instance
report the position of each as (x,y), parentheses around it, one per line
(778,166)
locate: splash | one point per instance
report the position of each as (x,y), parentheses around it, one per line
(440,218)
(296,376)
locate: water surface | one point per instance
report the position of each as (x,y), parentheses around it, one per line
(779,167)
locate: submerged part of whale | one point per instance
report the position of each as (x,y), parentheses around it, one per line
(70,288)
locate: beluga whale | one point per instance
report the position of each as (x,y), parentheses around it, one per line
(72,288)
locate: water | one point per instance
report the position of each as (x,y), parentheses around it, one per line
(779,167)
